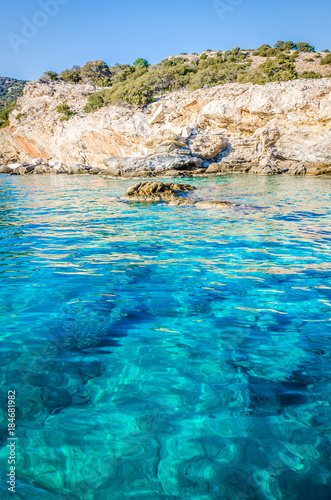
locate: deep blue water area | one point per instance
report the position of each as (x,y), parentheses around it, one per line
(163,352)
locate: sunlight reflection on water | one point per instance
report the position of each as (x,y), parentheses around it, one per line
(167,352)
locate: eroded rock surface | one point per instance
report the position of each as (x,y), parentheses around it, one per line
(235,126)
(267,167)
(150,164)
(208,147)
(298,169)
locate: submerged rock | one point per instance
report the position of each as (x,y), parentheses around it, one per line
(180,202)
(214,204)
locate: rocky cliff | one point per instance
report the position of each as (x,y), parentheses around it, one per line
(263,128)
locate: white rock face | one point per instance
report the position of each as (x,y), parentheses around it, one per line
(282,121)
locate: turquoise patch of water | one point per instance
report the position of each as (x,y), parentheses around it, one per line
(167,352)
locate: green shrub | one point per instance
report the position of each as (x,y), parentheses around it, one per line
(266,51)
(122,72)
(53,76)
(264,47)
(288,46)
(71,75)
(273,70)
(279,45)
(4,114)
(304,47)
(271,52)
(95,71)
(326,59)
(215,75)
(65,110)
(172,62)
(95,102)
(140,87)
(103,82)
(235,55)
(310,74)
(141,83)
(10,90)
(141,62)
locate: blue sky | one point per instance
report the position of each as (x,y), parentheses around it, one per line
(75,31)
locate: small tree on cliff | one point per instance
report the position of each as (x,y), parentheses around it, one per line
(304,47)
(279,45)
(289,46)
(326,59)
(95,71)
(141,62)
(71,75)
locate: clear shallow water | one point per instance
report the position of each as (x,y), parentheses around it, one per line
(167,352)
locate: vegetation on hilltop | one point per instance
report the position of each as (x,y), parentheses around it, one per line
(66,112)
(141,83)
(10,90)
(4,114)
(326,59)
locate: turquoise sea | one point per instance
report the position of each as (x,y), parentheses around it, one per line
(166,352)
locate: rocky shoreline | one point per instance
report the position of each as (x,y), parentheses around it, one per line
(166,166)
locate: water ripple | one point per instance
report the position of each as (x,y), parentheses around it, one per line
(167,352)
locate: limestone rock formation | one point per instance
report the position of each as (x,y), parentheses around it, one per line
(208,147)
(237,126)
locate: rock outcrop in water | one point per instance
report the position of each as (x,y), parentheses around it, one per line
(155,192)
(281,127)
